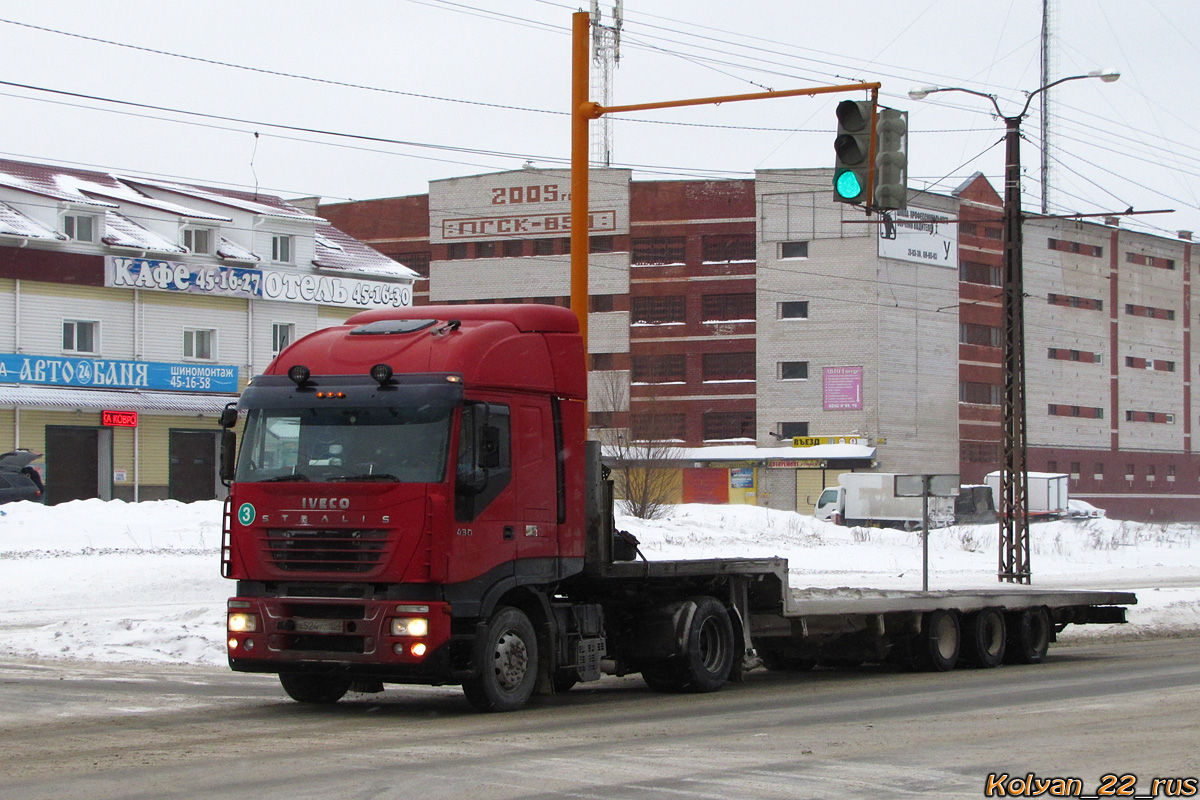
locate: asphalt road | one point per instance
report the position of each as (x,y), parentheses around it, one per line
(101,731)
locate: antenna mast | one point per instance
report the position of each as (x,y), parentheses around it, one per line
(606,54)
(1046,36)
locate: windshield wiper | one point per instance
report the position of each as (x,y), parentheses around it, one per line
(370,476)
(294,476)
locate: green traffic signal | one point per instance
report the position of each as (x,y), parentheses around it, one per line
(847,185)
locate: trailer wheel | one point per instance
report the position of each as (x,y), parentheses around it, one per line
(507,657)
(707,657)
(939,643)
(983,639)
(314,688)
(1028,636)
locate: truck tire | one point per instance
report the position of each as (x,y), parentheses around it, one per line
(939,643)
(322,689)
(707,657)
(983,638)
(507,657)
(1028,636)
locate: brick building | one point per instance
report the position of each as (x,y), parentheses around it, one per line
(733,317)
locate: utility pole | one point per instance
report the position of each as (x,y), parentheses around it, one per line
(1013,502)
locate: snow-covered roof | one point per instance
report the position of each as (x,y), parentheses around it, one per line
(120,231)
(749,452)
(338,251)
(14,223)
(264,204)
(234,252)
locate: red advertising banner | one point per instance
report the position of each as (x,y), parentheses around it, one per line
(119,419)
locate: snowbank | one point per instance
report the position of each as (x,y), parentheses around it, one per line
(117,581)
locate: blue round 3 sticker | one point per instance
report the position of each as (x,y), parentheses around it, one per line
(246,514)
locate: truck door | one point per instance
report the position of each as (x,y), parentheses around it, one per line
(486,517)
(535,481)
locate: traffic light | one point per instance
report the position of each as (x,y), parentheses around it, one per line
(891,160)
(852,166)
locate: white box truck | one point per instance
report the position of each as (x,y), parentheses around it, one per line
(1047,493)
(869,499)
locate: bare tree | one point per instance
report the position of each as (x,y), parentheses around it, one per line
(642,456)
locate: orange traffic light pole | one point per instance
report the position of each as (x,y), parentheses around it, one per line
(583,111)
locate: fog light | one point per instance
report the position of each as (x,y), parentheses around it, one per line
(249,644)
(233,643)
(243,623)
(418,649)
(410,626)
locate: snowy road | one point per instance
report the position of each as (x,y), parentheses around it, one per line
(105,731)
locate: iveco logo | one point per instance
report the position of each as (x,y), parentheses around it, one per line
(325,502)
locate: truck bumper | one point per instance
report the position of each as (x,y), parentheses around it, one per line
(399,642)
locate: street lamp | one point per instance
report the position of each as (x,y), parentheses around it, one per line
(1014,487)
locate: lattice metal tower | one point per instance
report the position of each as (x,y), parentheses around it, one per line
(606,54)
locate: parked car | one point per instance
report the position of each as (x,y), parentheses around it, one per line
(1082,509)
(18,480)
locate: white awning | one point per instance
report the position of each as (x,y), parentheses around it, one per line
(97,399)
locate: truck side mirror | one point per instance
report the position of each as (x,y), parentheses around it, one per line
(228,454)
(229,416)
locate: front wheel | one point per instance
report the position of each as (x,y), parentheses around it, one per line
(507,658)
(314,688)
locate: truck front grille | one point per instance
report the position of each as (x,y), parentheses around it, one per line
(326,550)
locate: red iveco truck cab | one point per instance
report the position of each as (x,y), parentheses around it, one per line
(413,501)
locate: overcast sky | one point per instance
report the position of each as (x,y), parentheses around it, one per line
(484,85)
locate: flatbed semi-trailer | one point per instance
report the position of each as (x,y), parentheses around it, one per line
(414,501)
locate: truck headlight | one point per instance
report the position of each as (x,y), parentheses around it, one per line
(410,626)
(243,623)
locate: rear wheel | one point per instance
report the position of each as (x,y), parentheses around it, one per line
(938,644)
(1028,636)
(507,657)
(983,639)
(314,688)
(707,657)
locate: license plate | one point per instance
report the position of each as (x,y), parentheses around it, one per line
(319,625)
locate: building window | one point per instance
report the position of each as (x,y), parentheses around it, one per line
(1098,471)
(1075,467)
(80,227)
(981,335)
(793,249)
(979,452)
(658,250)
(659,427)
(793,370)
(793,309)
(456,251)
(983,394)
(1170,473)
(723,248)
(281,249)
(417,262)
(1150,473)
(198,240)
(514,248)
(975,272)
(282,334)
(485,249)
(600,244)
(200,345)
(1065,246)
(80,336)
(602,419)
(1051,466)
(728,366)
(543,247)
(790,430)
(600,303)
(727,307)
(728,425)
(670,368)
(657,310)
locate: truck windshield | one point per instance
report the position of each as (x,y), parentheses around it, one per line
(326,444)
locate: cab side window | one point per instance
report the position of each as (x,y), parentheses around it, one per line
(484,465)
